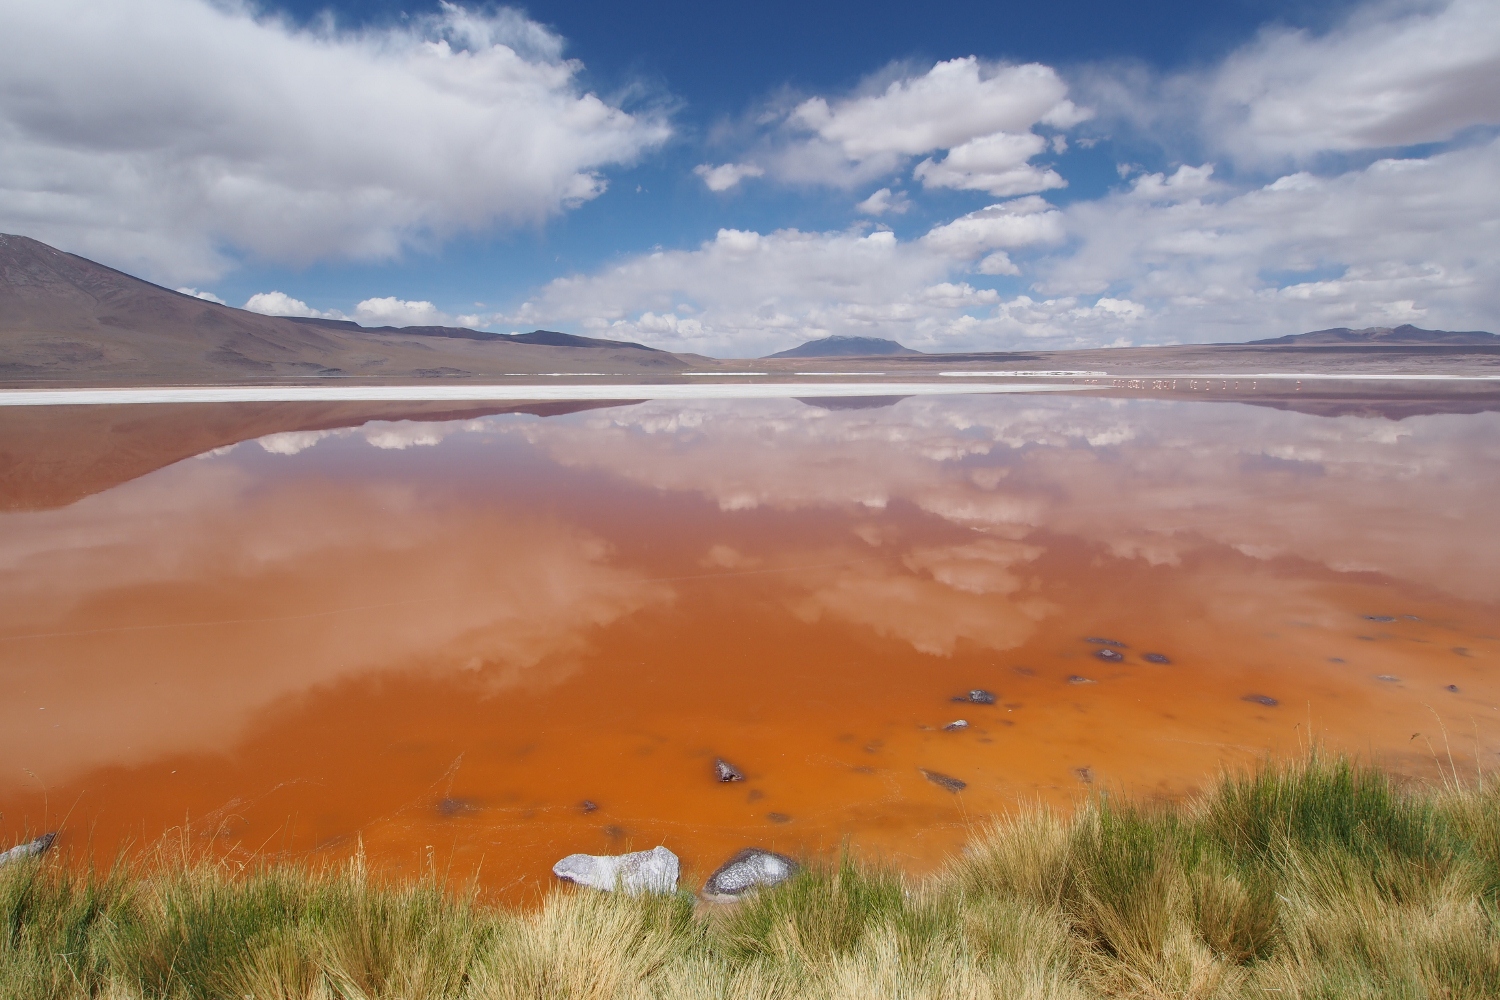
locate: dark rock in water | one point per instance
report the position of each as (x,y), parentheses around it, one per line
(942,780)
(1378,618)
(588,805)
(1084,774)
(456,807)
(1452,687)
(725,771)
(30,849)
(1261,699)
(778,817)
(1109,656)
(1336,659)
(1096,640)
(1075,679)
(980,696)
(1161,658)
(956,725)
(749,869)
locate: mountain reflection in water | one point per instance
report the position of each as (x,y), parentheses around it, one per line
(442,639)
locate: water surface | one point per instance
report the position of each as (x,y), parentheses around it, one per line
(492,641)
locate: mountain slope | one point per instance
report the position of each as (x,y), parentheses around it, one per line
(1375,336)
(846,347)
(67,320)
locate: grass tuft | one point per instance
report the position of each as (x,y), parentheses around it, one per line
(1317,878)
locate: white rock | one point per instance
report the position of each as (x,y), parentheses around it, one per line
(750,869)
(655,870)
(30,849)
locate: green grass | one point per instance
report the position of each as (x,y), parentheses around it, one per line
(1314,879)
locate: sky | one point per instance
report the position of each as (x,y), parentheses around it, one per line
(734,180)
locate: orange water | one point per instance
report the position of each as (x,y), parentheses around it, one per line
(438,640)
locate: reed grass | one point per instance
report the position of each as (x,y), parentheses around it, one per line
(1318,878)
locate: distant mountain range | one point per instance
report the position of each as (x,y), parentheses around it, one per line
(64,318)
(845,347)
(1394,336)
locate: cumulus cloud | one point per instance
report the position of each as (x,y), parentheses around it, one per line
(282,304)
(391,311)
(1388,77)
(727,175)
(205,296)
(982,112)
(1006,226)
(884,201)
(997,164)
(172,137)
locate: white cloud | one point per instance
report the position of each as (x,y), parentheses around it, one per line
(205,296)
(170,137)
(1390,76)
(987,109)
(391,311)
(727,175)
(1008,225)
(993,163)
(884,201)
(282,304)
(955,101)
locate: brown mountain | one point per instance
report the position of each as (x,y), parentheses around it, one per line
(1393,336)
(846,347)
(67,320)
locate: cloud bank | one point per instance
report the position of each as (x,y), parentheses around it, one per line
(173,136)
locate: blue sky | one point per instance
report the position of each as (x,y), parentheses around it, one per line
(966,176)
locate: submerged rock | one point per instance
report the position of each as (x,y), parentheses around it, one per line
(776,817)
(942,780)
(655,870)
(1379,618)
(1096,640)
(750,869)
(1452,687)
(980,696)
(1109,656)
(725,771)
(588,805)
(30,849)
(1084,774)
(1261,699)
(1157,658)
(1076,679)
(956,724)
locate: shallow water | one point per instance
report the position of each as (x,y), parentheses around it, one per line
(441,639)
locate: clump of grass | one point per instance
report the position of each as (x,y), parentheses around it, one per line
(1317,878)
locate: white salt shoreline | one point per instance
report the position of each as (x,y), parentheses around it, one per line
(506,393)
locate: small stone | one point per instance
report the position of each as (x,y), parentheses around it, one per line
(725,771)
(1096,640)
(942,780)
(588,806)
(1075,679)
(1157,658)
(1388,678)
(655,870)
(1261,699)
(30,849)
(955,725)
(980,696)
(1109,656)
(1336,659)
(776,817)
(1452,687)
(749,869)
(1378,618)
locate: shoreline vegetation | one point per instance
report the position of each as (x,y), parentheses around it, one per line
(1319,877)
